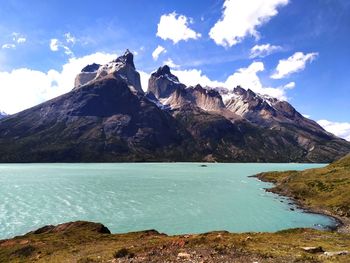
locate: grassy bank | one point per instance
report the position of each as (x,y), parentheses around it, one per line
(323,190)
(85,242)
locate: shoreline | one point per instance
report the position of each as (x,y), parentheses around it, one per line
(342,224)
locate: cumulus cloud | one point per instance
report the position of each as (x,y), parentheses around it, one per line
(263,50)
(70,38)
(247,78)
(176,28)
(8,46)
(156,53)
(340,129)
(192,77)
(144,77)
(241,18)
(294,63)
(21,40)
(17,38)
(290,85)
(54,44)
(171,63)
(23,88)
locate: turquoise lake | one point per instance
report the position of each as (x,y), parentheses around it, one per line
(173,198)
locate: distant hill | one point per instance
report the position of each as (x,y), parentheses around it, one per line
(107,117)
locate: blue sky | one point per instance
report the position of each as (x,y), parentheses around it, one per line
(304,47)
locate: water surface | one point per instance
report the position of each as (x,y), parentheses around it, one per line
(173,198)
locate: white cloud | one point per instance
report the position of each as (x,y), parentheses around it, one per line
(54,44)
(70,38)
(175,27)
(67,51)
(241,18)
(340,129)
(8,46)
(21,40)
(247,78)
(144,77)
(193,77)
(159,50)
(294,63)
(23,88)
(171,63)
(263,50)
(290,85)
(18,38)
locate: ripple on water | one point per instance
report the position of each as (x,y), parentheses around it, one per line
(172,198)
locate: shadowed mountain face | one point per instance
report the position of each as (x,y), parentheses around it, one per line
(2,114)
(169,91)
(108,117)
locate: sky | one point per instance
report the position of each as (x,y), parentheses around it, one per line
(294,50)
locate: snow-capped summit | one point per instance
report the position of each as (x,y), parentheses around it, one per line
(167,88)
(123,67)
(163,83)
(266,110)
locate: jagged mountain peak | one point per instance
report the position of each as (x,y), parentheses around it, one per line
(163,83)
(267,111)
(170,92)
(162,71)
(239,90)
(122,66)
(211,92)
(107,117)
(127,58)
(91,67)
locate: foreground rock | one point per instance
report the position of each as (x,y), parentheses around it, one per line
(313,250)
(336,253)
(91,242)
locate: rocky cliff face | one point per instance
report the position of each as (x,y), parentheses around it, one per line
(123,67)
(107,117)
(266,110)
(2,114)
(170,92)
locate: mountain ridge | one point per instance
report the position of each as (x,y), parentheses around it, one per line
(108,117)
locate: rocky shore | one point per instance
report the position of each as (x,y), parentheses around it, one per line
(322,191)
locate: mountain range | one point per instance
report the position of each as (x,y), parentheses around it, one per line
(107,117)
